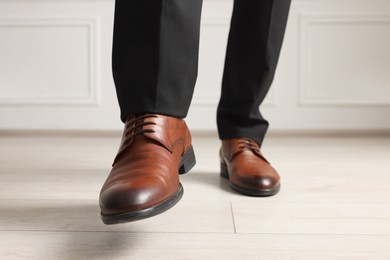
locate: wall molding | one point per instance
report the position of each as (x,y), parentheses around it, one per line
(92,25)
(305,22)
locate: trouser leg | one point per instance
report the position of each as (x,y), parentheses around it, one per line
(155,55)
(255,39)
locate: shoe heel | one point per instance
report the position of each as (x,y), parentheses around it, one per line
(187,161)
(224,171)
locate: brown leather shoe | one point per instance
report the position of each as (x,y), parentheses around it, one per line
(144,180)
(246,168)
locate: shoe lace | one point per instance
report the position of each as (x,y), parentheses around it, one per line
(133,127)
(248,144)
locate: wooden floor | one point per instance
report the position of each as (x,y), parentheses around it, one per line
(334,204)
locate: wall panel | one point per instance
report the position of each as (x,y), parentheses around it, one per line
(333,73)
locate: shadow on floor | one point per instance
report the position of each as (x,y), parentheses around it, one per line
(208,179)
(73,227)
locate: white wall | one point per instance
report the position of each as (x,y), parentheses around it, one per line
(334,71)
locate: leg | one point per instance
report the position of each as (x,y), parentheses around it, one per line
(255,40)
(155,55)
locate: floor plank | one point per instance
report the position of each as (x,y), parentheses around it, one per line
(312,218)
(119,245)
(334,204)
(84,215)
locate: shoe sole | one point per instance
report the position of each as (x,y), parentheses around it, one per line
(248,192)
(187,162)
(145,213)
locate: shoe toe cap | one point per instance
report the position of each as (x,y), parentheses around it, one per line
(124,197)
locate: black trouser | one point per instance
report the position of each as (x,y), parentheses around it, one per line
(155,60)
